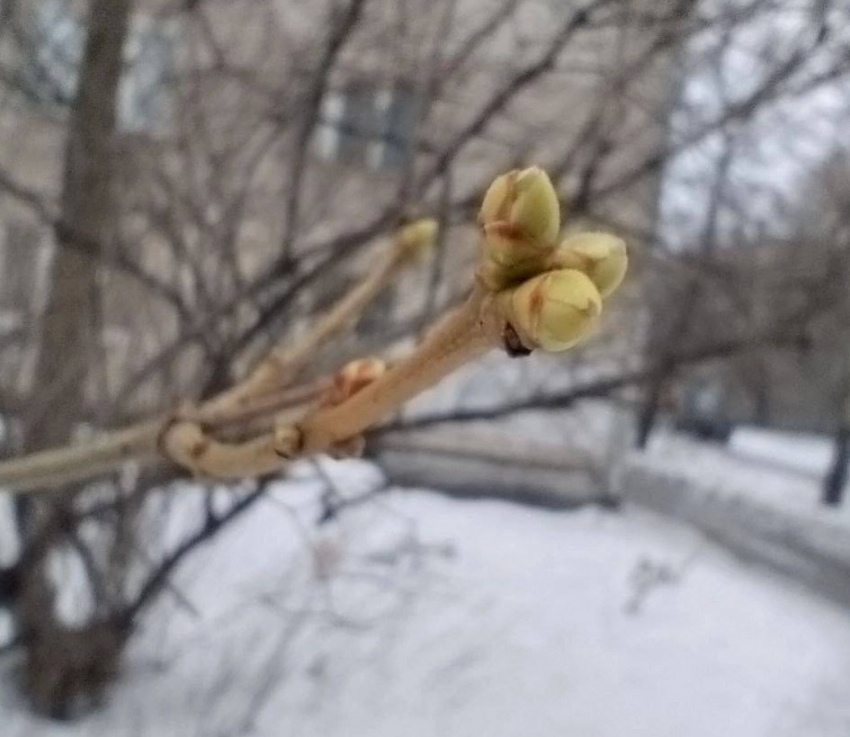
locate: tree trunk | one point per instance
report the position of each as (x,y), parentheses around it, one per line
(649,410)
(833,485)
(832,493)
(69,330)
(762,404)
(671,322)
(68,343)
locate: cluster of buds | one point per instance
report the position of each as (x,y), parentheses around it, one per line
(551,292)
(531,293)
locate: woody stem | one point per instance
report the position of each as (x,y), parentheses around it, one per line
(464,335)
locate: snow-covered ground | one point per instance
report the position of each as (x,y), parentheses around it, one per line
(418,615)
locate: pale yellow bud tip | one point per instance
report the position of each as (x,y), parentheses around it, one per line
(496,203)
(418,237)
(603,257)
(554,310)
(526,201)
(536,211)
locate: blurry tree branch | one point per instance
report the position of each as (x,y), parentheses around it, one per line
(265,391)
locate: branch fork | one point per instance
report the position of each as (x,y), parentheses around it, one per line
(529,293)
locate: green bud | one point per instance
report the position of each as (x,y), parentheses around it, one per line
(603,257)
(519,219)
(525,202)
(535,211)
(507,259)
(553,310)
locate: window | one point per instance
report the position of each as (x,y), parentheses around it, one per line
(399,122)
(366,126)
(55,45)
(143,99)
(358,126)
(55,48)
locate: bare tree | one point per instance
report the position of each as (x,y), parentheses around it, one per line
(61,662)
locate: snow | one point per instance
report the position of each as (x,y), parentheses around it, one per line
(800,452)
(414,614)
(775,470)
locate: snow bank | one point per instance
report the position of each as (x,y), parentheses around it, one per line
(804,453)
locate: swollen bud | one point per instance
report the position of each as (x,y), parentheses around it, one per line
(603,257)
(535,211)
(526,201)
(519,218)
(553,310)
(507,259)
(418,237)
